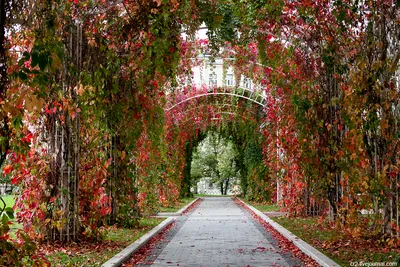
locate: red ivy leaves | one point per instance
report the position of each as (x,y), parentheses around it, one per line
(7,169)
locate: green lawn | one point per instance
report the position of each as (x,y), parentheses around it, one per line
(91,254)
(9,199)
(335,244)
(264,207)
(182,202)
(94,254)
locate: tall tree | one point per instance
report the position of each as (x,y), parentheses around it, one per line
(214,158)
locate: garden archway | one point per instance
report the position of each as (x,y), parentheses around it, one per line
(89,131)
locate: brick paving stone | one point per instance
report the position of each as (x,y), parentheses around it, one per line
(219,233)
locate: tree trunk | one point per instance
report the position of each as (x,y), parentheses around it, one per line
(226,186)
(186,181)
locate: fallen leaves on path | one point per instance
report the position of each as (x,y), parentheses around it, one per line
(285,245)
(193,206)
(143,253)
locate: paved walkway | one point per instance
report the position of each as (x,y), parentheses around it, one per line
(219,233)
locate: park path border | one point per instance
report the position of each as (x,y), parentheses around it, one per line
(127,252)
(179,212)
(306,248)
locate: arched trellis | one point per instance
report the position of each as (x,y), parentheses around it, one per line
(215,118)
(227,107)
(252,95)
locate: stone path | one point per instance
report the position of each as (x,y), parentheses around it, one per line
(220,233)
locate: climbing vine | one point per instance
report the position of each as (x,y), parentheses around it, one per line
(99,113)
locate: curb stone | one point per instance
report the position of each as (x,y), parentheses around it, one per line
(126,253)
(179,212)
(306,248)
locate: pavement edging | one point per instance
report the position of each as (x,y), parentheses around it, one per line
(179,212)
(306,248)
(126,253)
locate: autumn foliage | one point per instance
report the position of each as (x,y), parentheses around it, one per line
(92,136)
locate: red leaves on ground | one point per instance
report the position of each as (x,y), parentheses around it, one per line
(191,207)
(77,248)
(140,256)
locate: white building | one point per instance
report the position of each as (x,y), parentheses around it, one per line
(206,187)
(212,73)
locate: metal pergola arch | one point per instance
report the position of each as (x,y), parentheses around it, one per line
(221,106)
(253,96)
(214,118)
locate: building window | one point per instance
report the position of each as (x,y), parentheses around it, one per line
(229,80)
(247,83)
(210,185)
(213,79)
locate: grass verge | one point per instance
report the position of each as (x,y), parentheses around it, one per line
(9,199)
(264,206)
(337,245)
(10,202)
(94,254)
(182,202)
